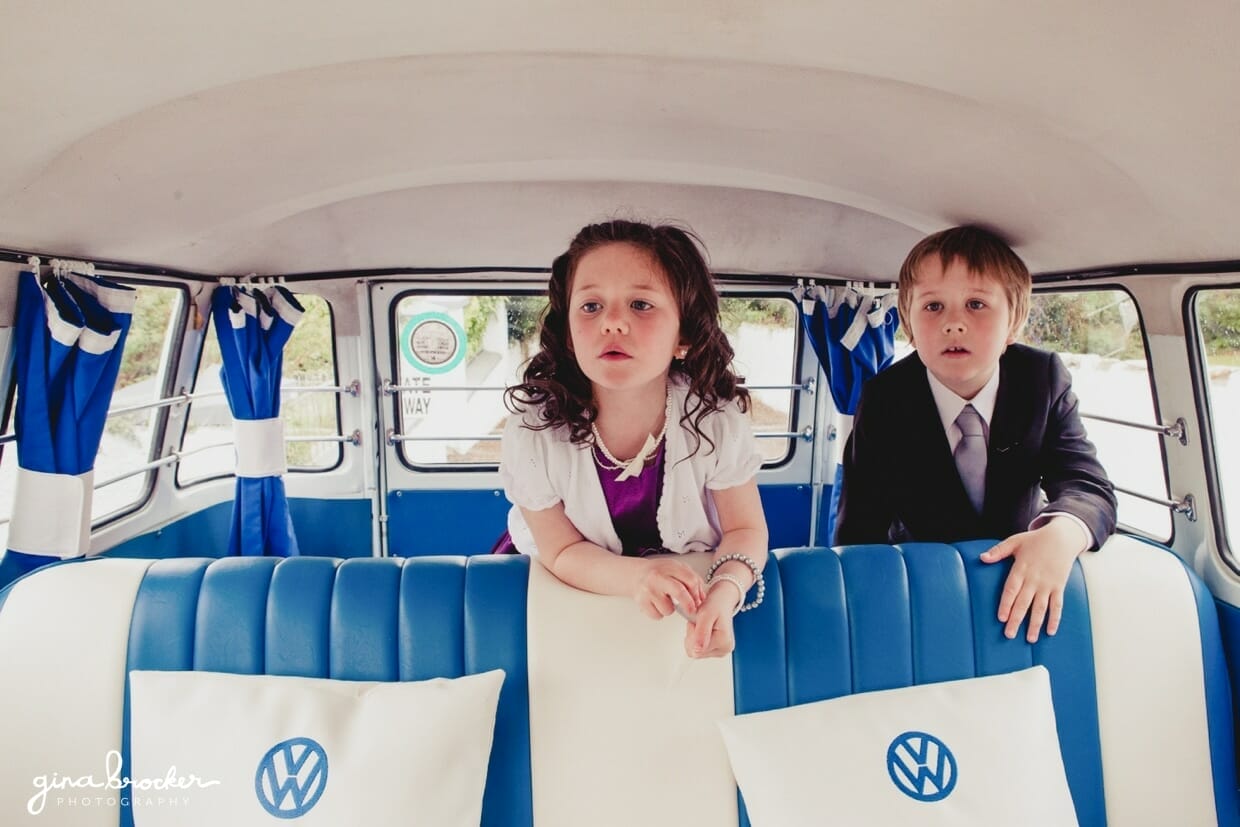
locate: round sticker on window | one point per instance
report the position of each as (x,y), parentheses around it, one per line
(433,342)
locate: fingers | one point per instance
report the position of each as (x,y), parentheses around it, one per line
(1056,613)
(1037,614)
(698,635)
(679,592)
(657,606)
(656,603)
(667,585)
(1000,551)
(710,636)
(698,587)
(1034,588)
(1011,590)
(717,644)
(1023,598)
(1019,608)
(687,587)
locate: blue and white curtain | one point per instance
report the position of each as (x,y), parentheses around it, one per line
(253,325)
(70,335)
(852,329)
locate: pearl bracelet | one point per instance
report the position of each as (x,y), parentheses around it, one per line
(758,580)
(735,581)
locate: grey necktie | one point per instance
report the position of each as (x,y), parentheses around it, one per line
(970,455)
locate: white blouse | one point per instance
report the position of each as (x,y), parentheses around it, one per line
(541,468)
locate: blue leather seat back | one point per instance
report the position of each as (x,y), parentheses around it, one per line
(361,619)
(1139,683)
(877,617)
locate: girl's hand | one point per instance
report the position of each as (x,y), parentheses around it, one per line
(664,581)
(710,634)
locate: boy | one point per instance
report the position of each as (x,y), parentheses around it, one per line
(959,439)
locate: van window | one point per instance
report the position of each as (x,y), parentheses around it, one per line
(1217,316)
(307,409)
(128,440)
(1098,334)
(456,353)
(764,333)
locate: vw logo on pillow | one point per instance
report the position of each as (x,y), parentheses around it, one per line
(291,777)
(922,766)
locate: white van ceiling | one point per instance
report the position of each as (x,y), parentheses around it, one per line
(795,136)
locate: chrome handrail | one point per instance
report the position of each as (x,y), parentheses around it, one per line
(354,389)
(354,438)
(393,437)
(390,389)
(172,457)
(1186,505)
(806,433)
(1176,430)
(179,399)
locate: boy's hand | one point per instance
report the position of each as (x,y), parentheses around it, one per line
(1042,563)
(710,633)
(666,580)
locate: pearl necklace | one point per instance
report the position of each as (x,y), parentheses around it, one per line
(631,468)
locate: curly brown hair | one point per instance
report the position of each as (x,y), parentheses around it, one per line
(554,383)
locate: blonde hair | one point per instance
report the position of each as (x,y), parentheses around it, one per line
(984,254)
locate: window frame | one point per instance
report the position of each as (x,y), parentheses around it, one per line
(181,485)
(1204,406)
(394,348)
(1093,287)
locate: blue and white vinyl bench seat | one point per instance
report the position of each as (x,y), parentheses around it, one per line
(601,719)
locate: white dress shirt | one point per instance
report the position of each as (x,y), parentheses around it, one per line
(950,405)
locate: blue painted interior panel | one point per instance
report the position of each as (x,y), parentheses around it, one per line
(420,523)
(325,528)
(423,523)
(333,528)
(824,503)
(787,510)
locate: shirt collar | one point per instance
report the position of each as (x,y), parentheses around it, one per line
(950,405)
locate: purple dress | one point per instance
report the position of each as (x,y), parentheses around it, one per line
(633,505)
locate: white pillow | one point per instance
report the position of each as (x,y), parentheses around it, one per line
(988,746)
(261,749)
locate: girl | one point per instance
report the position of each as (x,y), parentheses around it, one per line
(629,436)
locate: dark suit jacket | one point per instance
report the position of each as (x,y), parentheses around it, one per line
(900,480)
